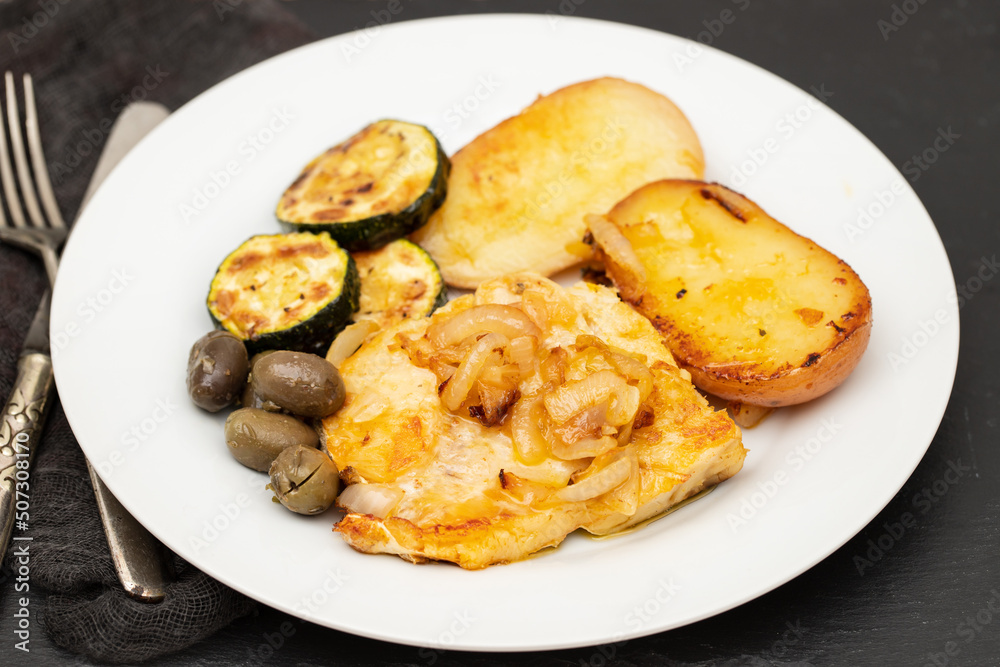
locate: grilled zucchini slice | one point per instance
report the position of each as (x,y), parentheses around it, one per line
(398,281)
(378,186)
(285,291)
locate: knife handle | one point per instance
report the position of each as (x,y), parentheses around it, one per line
(141,561)
(20,431)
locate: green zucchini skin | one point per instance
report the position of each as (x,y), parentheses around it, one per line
(375,231)
(399,281)
(313,334)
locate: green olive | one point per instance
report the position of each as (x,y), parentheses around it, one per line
(217,370)
(302,383)
(252,400)
(304,480)
(256,437)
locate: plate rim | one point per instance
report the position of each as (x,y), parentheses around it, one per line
(882,502)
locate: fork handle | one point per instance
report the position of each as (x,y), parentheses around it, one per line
(20,431)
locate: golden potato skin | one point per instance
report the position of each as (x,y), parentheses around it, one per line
(755,312)
(517,194)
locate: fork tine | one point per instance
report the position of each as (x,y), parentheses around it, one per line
(38,157)
(6,173)
(20,157)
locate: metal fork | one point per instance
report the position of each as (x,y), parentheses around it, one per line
(45,239)
(138,557)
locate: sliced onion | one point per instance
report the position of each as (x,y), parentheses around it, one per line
(501,377)
(375,499)
(602,476)
(494,402)
(633,369)
(625,434)
(747,415)
(619,250)
(486,350)
(523,351)
(533,304)
(573,397)
(587,423)
(442,370)
(584,448)
(349,340)
(530,444)
(553,368)
(509,321)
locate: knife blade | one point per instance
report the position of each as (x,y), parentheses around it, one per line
(37,338)
(142,563)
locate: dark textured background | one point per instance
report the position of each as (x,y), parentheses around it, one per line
(940,69)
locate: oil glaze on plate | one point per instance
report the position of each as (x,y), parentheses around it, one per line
(210,176)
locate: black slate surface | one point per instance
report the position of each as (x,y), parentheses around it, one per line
(933,597)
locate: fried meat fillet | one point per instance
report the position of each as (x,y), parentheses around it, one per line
(514,416)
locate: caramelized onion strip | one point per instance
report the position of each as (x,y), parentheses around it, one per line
(488,350)
(349,340)
(530,445)
(619,250)
(572,397)
(603,475)
(633,369)
(508,321)
(374,499)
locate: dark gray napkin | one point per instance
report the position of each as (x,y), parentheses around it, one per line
(89,59)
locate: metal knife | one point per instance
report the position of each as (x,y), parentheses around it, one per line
(142,563)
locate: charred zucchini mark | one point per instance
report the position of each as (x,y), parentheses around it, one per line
(732,210)
(287,291)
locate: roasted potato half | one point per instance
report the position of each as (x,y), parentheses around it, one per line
(517,194)
(756,313)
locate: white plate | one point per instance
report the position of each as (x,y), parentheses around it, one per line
(130,301)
